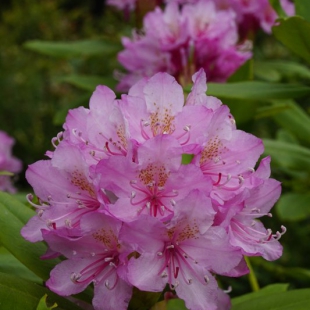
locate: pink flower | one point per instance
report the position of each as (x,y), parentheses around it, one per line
(65,191)
(8,163)
(117,201)
(98,257)
(240,213)
(181,41)
(100,131)
(182,253)
(154,184)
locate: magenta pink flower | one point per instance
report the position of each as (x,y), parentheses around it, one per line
(240,213)
(182,253)
(8,163)
(154,184)
(181,41)
(65,191)
(98,257)
(117,200)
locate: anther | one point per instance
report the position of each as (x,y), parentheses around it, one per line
(229,290)
(75,277)
(170,247)
(190,281)
(206,278)
(108,259)
(160,253)
(172,202)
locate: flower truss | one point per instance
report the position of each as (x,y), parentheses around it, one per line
(181,40)
(117,200)
(8,163)
(250,14)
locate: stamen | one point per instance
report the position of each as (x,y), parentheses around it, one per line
(108,259)
(30,197)
(75,277)
(229,290)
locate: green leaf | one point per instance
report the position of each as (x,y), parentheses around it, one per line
(74,48)
(244,73)
(288,155)
(290,300)
(12,218)
(274,70)
(43,306)
(7,173)
(294,206)
(88,82)
(242,110)
(294,32)
(294,119)
(10,265)
(17,293)
(276,4)
(187,158)
(17,208)
(267,290)
(143,300)
(176,304)
(267,111)
(254,90)
(302,8)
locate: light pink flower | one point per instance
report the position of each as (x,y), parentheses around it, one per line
(182,253)
(8,162)
(154,184)
(65,190)
(240,213)
(98,257)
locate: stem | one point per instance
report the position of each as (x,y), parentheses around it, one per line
(252,277)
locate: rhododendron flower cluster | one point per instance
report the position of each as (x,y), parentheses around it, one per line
(155,192)
(8,163)
(180,41)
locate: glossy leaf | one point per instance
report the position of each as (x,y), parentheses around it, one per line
(17,293)
(10,265)
(74,48)
(254,90)
(294,119)
(267,111)
(12,219)
(294,206)
(273,71)
(302,8)
(143,300)
(43,306)
(176,304)
(290,300)
(288,155)
(88,82)
(276,4)
(267,290)
(294,32)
